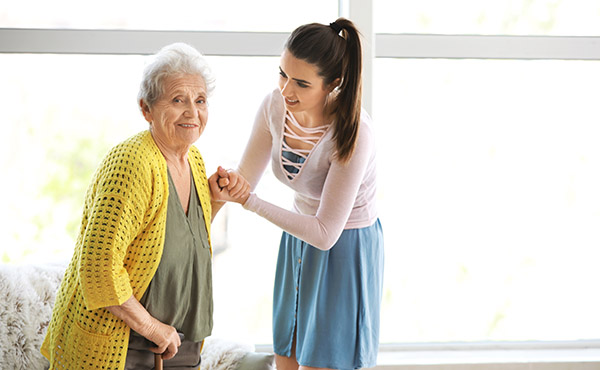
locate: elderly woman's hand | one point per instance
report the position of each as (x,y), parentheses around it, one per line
(229,186)
(137,318)
(165,337)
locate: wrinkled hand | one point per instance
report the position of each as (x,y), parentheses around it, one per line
(229,186)
(137,318)
(166,339)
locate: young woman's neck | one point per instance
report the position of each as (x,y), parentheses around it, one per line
(316,118)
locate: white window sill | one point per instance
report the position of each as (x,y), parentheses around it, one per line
(573,355)
(492,356)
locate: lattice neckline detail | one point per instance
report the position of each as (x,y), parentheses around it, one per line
(312,137)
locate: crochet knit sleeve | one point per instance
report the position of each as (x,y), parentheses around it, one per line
(113,215)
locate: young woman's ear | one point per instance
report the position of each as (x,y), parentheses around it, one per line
(334,84)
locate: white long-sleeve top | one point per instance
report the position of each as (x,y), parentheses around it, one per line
(329,196)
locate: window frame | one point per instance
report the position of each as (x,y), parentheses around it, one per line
(578,354)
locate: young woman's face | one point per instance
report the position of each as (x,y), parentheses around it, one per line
(301,86)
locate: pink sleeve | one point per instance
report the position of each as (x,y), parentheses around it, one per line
(339,194)
(258,150)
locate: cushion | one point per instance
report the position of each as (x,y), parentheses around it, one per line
(257,361)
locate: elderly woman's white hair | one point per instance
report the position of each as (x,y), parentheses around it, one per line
(171,60)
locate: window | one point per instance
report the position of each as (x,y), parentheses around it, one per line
(488,17)
(62,113)
(263,15)
(487,167)
(488,170)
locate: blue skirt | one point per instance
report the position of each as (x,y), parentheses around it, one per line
(330,300)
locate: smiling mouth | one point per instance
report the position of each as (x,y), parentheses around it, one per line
(291,101)
(188,125)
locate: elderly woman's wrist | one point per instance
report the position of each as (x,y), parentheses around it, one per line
(148,327)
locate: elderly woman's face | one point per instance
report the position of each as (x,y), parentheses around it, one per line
(179,116)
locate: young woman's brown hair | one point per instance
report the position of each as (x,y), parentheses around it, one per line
(336,51)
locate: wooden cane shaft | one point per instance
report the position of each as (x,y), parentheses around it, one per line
(158,362)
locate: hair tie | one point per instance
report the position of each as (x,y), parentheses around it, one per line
(336,27)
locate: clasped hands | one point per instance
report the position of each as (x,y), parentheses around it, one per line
(229,186)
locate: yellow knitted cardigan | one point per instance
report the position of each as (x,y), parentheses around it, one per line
(117,253)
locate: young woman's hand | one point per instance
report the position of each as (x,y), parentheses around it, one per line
(229,186)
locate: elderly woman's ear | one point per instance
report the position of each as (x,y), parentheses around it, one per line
(145,111)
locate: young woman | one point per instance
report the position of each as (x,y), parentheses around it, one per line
(320,142)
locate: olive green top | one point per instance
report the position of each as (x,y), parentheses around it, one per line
(180,293)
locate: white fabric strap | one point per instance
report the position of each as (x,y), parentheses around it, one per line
(312,137)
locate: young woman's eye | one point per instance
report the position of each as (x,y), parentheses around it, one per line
(302,85)
(282,74)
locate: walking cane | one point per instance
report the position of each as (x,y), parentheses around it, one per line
(158,361)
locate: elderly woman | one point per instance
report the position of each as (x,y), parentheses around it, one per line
(140,278)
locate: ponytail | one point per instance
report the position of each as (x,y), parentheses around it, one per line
(337,53)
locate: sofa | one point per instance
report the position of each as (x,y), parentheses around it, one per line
(29,292)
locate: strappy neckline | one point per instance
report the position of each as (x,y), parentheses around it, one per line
(313,137)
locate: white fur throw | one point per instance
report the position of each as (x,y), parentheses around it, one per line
(219,354)
(25,311)
(26,308)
